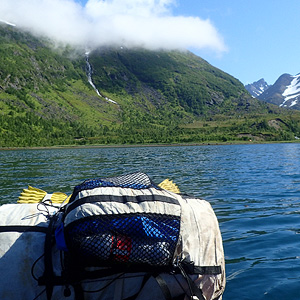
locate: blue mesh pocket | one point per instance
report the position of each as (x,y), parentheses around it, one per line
(132,238)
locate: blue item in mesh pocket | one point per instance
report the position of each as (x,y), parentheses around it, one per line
(136,180)
(141,239)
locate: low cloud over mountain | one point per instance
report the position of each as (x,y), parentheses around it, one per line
(131,23)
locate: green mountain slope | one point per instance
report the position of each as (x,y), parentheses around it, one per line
(157,97)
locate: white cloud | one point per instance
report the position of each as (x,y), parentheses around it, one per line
(147,23)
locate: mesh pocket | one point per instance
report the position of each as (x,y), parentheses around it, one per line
(139,239)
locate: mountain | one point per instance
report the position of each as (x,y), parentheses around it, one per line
(58,95)
(285,92)
(257,88)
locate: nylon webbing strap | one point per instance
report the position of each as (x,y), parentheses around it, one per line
(195,291)
(163,286)
(23,228)
(48,275)
(120,199)
(79,294)
(209,270)
(190,268)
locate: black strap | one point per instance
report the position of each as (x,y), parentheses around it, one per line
(120,199)
(191,269)
(48,276)
(209,270)
(23,228)
(194,290)
(78,290)
(163,286)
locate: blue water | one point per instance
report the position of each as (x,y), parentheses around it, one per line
(254,190)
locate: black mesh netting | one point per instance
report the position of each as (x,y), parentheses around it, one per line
(140,239)
(136,180)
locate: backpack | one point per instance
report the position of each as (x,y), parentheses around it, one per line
(128,224)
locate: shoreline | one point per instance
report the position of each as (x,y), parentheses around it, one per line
(213,143)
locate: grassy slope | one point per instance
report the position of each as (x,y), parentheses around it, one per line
(45,98)
(44,95)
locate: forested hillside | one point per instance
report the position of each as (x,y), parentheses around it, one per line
(144,97)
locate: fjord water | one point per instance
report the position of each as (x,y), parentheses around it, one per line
(254,190)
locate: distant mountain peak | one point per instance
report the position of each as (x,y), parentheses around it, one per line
(257,88)
(285,92)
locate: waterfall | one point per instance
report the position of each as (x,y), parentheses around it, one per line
(7,23)
(89,72)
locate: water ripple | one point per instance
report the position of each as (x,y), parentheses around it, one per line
(254,190)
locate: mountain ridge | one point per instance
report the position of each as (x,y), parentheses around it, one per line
(46,97)
(285,92)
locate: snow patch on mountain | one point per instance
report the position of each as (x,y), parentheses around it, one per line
(257,88)
(292,92)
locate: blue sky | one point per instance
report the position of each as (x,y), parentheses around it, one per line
(262,36)
(249,39)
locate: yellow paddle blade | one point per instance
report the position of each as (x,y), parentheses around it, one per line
(169,185)
(32,195)
(35,195)
(59,197)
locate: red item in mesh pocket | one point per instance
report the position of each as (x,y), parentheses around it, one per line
(121,248)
